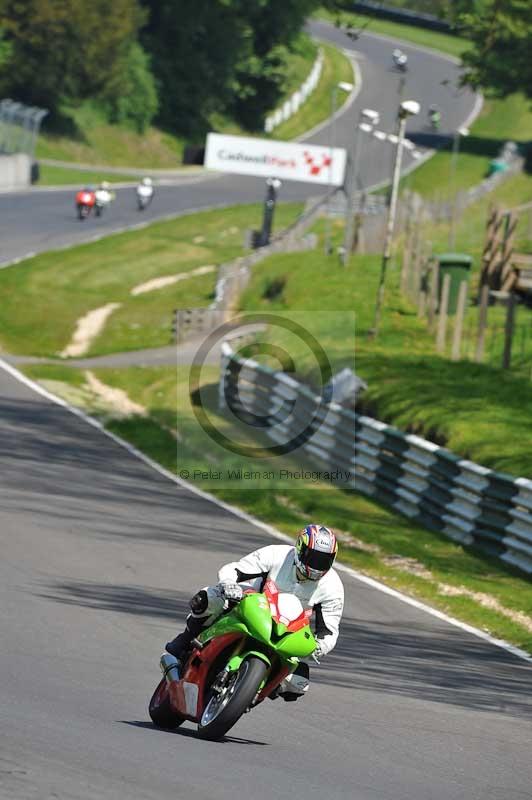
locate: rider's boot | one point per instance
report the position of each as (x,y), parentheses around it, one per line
(180,647)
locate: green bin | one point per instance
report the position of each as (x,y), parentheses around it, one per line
(458,266)
(497,165)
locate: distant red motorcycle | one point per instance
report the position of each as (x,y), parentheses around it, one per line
(85,202)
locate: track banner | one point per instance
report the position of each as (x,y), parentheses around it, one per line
(269,158)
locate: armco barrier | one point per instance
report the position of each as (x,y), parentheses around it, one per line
(425,482)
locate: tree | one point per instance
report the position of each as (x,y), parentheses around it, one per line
(66,50)
(501,32)
(134,99)
(220,55)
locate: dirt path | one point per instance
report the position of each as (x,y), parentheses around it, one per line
(167,280)
(116,399)
(87,329)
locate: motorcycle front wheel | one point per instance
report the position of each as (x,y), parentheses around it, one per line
(225,707)
(160,709)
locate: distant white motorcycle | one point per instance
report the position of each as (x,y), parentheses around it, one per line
(103,198)
(144,193)
(400,60)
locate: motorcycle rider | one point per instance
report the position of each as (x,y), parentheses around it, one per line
(104,195)
(400,59)
(144,192)
(304,570)
(434,116)
(85,201)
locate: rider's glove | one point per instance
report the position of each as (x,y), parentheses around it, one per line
(317,654)
(231,591)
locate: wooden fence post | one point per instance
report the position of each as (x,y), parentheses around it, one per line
(459,322)
(492,245)
(442,319)
(433,293)
(507,249)
(509,331)
(423,292)
(482,323)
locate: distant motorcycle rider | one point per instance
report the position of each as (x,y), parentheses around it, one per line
(434,116)
(304,570)
(144,193)
(400,59)
(103,196)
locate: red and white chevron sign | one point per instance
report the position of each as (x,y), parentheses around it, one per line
(274,159)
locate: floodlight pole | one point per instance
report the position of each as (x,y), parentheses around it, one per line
(345,87)
(372,118)
(406,109)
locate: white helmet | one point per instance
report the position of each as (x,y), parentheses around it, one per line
(147,181)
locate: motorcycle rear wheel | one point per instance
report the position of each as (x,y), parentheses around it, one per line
(223,710)
(160,709)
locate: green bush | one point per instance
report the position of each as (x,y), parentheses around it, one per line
(135,100)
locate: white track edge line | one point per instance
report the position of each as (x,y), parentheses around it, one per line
(237,512)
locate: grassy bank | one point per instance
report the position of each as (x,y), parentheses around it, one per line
(474,588)
(468,407)
(508,119)
(452,45)
(50,292)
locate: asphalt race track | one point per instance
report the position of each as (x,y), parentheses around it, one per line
(34,221)
(99,555)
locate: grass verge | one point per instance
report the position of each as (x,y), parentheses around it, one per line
(446,43)
(471,587)
(64,176)
(468,407)
(50,292)
(508,119)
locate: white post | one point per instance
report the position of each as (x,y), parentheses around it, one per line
(406,109)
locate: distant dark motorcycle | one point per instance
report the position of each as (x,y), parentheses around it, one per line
(435,119)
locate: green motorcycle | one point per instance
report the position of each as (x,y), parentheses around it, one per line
(235,664)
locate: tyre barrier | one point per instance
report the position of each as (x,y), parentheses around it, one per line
(471,504)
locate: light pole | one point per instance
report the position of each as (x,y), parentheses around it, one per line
(367,120)
(408,108)
(452,182)
(345,87)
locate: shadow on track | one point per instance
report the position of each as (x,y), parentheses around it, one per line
(417,659)
(189,733)
(443,665)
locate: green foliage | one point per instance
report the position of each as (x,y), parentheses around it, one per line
(214,55)
(5,48)
(134,98)
(501,34)
(66,50)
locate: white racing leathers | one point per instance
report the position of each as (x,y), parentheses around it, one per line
(277,561)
